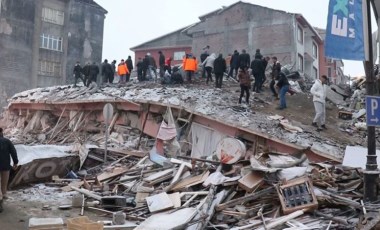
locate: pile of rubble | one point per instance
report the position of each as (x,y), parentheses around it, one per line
(191,181)
(269,191)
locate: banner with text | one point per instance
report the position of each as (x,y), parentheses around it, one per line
(345,32)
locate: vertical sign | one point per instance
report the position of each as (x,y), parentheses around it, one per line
(346,30)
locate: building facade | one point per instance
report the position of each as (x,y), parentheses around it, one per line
(332,68)
(174,45)
(242,25)
(40,41)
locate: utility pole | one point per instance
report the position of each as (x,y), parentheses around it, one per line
(371,173)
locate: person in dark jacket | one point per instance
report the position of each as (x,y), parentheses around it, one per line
(203,57)
(276,69)
(234,66)
(220,68)
(7,150)
(168,65)
(145,67)
(152,67)
(94,71)
(283,87)
(77,73)
(245,84)
(244,59)
(140,68)
(113,67)
(176,77)
(107,72)
(130,68)
(161,63)
(258,70)
(86,73)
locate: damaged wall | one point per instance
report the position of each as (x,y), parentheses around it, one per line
(16,30)
(38,51)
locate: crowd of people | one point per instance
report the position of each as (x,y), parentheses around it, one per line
(237,66)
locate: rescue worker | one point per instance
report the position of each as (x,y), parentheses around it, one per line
(190,65)
(122,71)
(220,68)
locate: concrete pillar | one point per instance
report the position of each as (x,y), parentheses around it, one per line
(36,44)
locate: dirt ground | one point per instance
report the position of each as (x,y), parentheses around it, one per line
(300,111)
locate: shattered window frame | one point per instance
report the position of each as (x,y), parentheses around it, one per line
(53,16)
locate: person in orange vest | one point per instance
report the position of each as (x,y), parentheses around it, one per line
(189,65)
(122,71)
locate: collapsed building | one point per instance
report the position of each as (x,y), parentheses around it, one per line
(206,160)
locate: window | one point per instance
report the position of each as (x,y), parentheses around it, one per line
(315,73)
(300,34)
(300,62)
(315,50)
(53,16)
(49,68)
(179,55)
(51,43)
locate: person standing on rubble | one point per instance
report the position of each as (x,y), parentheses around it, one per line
(318,90)
(107,72)
(283,87)
(7,150)
(203,57)
(86,74)
(94,71)
(245,84)
(220,68)
(209,65)
(168,65)
(78,74)
(234,66)
(140,68)
(161,63)
(276,69)
(122,71)
(189,65)
(244,60)
(258,70)
(129,64)
(266,71)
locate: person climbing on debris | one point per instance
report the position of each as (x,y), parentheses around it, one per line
(7,150)
(283,87)
(245,84)
(318,90)
(78,74)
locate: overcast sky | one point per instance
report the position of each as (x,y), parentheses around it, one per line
(132,22)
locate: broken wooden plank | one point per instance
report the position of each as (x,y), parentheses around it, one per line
(191,181)
(108,175)
(245,198)
(251,181)
(87,193)
(135,153)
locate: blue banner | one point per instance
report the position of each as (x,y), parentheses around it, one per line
(344,33)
